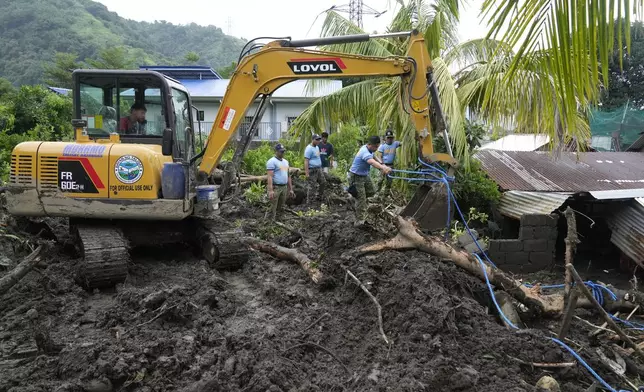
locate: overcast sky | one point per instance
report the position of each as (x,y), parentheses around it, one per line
(254,18)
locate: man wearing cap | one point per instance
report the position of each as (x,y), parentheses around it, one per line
(278,181)
(359,176)
(313,167)
(387,154)
(326,153)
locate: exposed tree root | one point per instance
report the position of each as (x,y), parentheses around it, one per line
(375,301)
(13,277)
(409,237)
(286,254)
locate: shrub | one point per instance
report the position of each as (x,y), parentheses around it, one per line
(474,189)
(254,162)
(256,193)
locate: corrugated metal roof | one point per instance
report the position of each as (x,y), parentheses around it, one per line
(514,204)
(60,90)
(617,194)
(627,226)
(292,90)
(184,71)
(538,171)
(517,142)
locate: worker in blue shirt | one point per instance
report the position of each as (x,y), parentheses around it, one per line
(278,182)
(359,178)
(313,168)
(387,154)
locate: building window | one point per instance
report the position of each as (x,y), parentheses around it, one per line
(245,126)
(289,121)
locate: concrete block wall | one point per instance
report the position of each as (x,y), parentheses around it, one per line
(534,250)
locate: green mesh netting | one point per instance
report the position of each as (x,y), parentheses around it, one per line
(626,119)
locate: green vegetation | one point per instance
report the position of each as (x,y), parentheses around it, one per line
(256,193)
(254,162)
(33,32)
(31,113)
(473,217)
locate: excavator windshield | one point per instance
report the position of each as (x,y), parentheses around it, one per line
(132,104)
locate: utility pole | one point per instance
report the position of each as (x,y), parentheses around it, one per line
(355,9)
(355,12)
(230,26)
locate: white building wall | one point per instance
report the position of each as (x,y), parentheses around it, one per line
(278,112)
(284,110)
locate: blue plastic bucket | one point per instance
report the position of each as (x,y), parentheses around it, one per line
(173,181)
(206,192)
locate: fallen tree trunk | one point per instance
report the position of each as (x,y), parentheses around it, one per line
(409,237)
(243,178)
(286,254)
(13,277)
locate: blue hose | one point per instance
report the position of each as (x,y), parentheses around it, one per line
(597,289)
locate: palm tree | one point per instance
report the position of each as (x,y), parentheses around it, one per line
(540,89)
(374,101)
(568,40)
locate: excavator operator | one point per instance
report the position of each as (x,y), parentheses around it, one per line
(135,122)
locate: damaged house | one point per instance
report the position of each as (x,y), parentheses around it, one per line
(606,189)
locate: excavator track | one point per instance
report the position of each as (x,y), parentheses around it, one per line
(105,256)
(221,244)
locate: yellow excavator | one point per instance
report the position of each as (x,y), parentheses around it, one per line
(125,182)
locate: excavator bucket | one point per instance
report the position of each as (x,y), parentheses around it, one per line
(429,206)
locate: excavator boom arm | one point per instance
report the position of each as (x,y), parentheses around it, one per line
(281,62)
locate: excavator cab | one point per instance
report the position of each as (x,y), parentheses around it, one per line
(141,107)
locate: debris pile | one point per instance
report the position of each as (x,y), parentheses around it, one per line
(175,324)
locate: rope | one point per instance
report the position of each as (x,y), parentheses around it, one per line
(598,290)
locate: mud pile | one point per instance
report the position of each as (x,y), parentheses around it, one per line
(175,325)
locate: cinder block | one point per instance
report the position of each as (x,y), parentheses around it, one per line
(517,258)
(552,246)
(498,258)
(493,246)
(542,232)
(535,220)
(553,234)
(535,245)
(542,259)
(511,245)
(552,220)
(527,232)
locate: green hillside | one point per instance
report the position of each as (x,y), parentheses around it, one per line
(32,31)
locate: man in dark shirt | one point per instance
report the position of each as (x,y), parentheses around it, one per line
(326,153)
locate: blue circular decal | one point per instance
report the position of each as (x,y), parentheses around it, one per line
(128,169)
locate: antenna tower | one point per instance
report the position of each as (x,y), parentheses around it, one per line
(355,9)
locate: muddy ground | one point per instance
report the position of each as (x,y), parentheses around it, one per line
(176,325)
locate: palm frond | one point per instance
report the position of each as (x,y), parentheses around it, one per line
(452,108)
(578,36)
(476,51)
